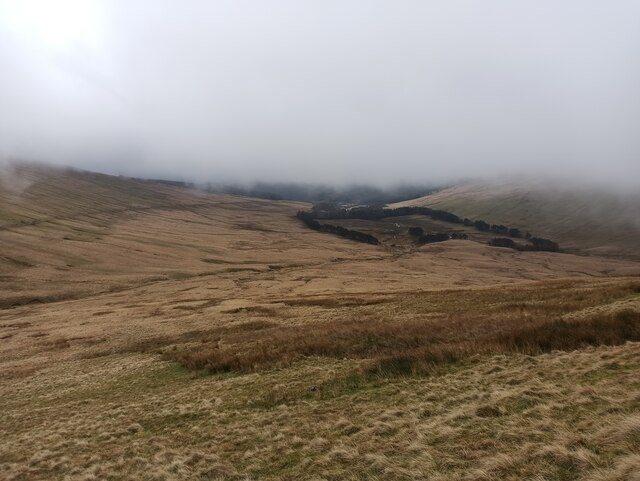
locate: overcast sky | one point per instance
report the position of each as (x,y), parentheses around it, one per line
(324,91)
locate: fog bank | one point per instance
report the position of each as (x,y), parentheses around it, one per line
(331,92)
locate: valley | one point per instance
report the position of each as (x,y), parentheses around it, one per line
(157,332)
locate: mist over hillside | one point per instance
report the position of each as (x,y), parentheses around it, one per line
(324,92)
(353,194)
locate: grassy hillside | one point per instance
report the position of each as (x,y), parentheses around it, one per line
(154,332)
(31,193)
(72,233)
(589,221)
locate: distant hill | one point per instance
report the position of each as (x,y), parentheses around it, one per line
(580,219)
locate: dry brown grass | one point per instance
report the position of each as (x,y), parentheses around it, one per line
(610,329)
(408,346)
(557,416)
(87,395)
(79,234)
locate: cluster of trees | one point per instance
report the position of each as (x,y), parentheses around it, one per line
(497,228)
(537,244)
(541,244)
(422,238)
(435,237)
(331,210)
(309,221)
(503,242)
(459,235)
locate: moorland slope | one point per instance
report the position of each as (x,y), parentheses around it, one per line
(154,332)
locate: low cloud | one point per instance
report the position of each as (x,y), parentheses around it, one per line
(324,92)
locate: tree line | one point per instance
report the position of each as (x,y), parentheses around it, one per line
(422,238)
(329,210)
(309,221)
(537,244)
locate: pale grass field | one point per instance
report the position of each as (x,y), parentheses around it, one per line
(87,392)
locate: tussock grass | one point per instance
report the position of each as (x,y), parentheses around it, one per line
(608,329)
(281,346)
(214,335)
(425,385)
(504,417)
(500,324)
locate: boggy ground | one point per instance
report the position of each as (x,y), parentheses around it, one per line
(220,339)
